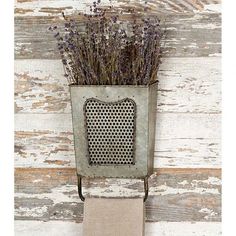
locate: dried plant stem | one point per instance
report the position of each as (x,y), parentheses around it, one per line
(104,50)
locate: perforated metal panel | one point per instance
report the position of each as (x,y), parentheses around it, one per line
(114,130)
(110,128)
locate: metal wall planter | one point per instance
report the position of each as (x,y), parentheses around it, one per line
(114,130)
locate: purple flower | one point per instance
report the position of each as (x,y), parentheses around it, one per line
(106,50)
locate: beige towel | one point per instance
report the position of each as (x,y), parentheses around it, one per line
(113,217)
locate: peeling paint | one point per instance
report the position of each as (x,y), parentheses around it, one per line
(37,180)
(213,8)
(184,182)
(187,136)
(31,212)
(36,8)
(209,213)
(29,31)
(42,146)
(166,190)
(206,26)
(182,86)
(62,228)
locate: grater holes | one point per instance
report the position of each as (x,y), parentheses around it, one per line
(110,131)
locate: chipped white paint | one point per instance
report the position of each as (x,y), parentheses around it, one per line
(167,190)
(215,55)
(186,85)
(209,213)
(19,46)
(49,8)
(211,181)
(184,182)
(182,140)
(62,228)
(37,180)
(216,8)
(189,85)
(210,43)
(33,156)
(48,122)
(187,152)
(206,26)
(51,228)
(192,45)
(32,212)
(59,194)
(50,147)
(120,188)
(40,43)
(66,193)
(183,229)
(48,84)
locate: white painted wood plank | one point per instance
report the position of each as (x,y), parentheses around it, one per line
(62,228)
(183,229)
(51,228)
(186,85)
(190,85)
(49,7)
(52,7)
(182,140)
(187,35)
(34,184)
(175,195)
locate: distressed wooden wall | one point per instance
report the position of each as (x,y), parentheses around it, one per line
(185,191)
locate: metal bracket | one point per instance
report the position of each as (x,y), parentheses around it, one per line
(146,188)
(80,188)
(81,196)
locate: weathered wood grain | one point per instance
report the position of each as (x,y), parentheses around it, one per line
(182,140)
(186,35)
(186,85)
(40,87)
(52,7)
(62,228)
(175,194)
(189,85)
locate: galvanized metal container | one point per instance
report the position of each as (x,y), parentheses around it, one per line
(114,130)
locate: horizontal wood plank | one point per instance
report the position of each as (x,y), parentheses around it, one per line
(174,194)
(186,85)
(194,35)
(189,85)
(182,140)
(54,7)
(62,228)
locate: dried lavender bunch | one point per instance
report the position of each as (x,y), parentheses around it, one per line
(106,50)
